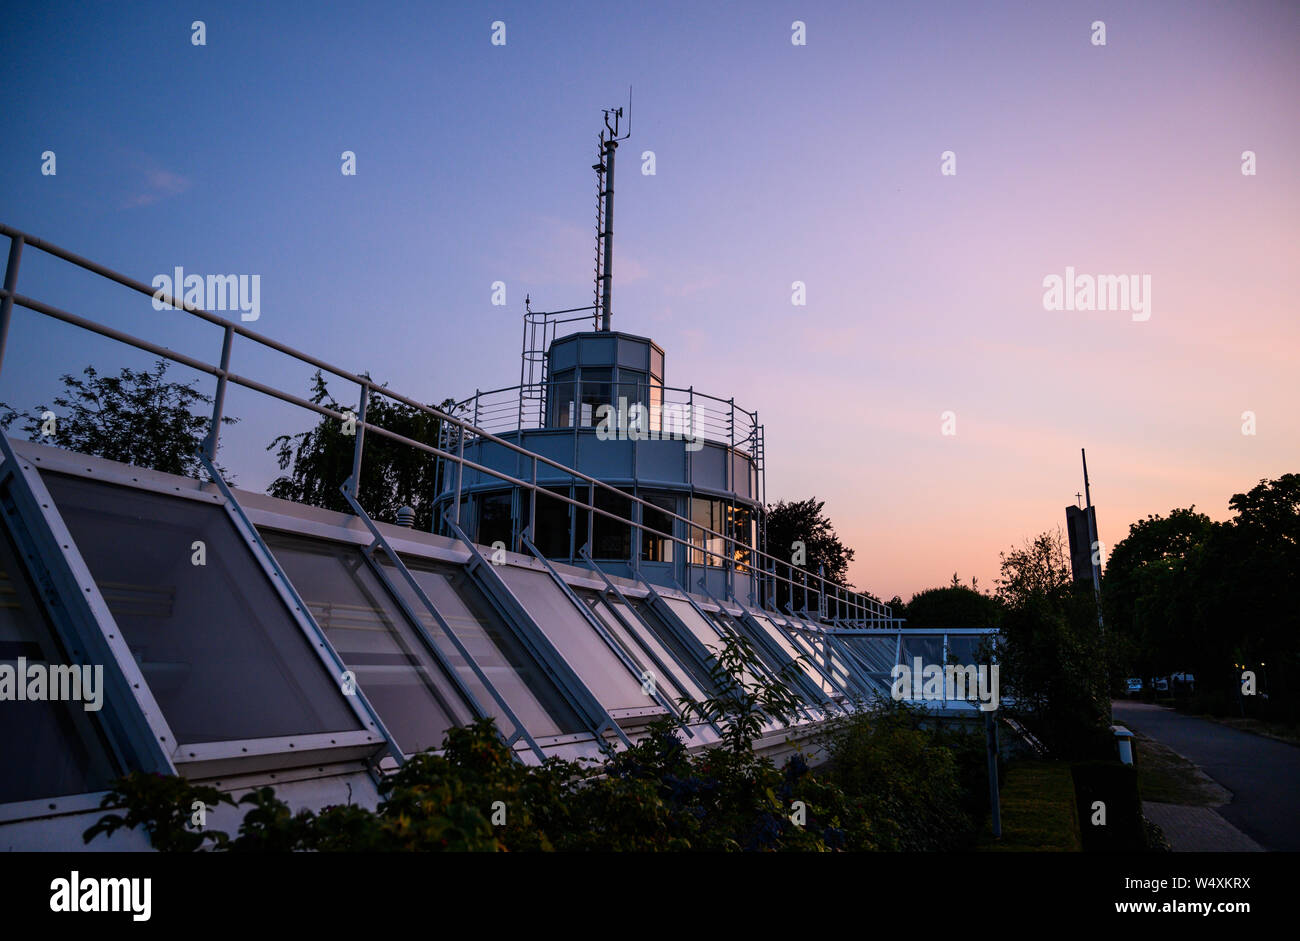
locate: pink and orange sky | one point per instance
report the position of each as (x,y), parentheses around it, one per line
(775,163)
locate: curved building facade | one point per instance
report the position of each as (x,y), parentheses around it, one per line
(602,408)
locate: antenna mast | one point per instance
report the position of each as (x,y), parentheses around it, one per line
(609,141)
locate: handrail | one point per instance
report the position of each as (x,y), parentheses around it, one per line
(865,607)
(531,406)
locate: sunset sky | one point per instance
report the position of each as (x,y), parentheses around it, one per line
(775,163)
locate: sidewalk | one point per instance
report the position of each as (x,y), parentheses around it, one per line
(1198,829)
(1259,778)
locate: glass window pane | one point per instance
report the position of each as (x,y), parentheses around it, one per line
(707,513)
(613,540)
(655,548)
(964,648)
(47,749)
(596,391)
(929,648)
(671,686)
(671,641)
(499,654)
(741,528)
(494,523)
(399,676)
(577,641)
(221,654)
(562,393)
(656,405)
(551,524)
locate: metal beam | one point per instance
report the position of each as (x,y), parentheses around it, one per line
(302,616)
(534,639)
(520,731)
(137,731)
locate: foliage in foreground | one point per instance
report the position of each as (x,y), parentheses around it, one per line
(892,785)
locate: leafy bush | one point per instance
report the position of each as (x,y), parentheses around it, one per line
(892,785)
(925,788)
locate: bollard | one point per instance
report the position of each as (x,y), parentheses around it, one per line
(1124,739)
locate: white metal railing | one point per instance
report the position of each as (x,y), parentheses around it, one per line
(840,603)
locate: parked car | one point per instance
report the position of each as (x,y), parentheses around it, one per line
(1162,684)
(1134,685)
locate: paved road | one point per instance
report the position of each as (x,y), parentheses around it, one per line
(1263,774)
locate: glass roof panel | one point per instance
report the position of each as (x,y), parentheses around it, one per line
(221,653)
(47,748)
(806,663)
(877,651)
(392,666)
(706,632)
(668,684)
(929,647)
(596,664)
(506,663)
(671,641)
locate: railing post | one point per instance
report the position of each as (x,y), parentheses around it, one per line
(532,504)
(361,437)
(11,285)
(823,606)
(591,519)
(690,412)
(219,399)
(732,431)
(460,467)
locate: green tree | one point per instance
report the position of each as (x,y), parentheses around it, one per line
(803,522)
(393,474)
(137,417)
(1189,594)
(952,606)
(1053,661)
(1144,591)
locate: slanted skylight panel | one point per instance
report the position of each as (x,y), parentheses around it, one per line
(389,662)
(673,686)
(221,654)
(47,748)
(599,668)
(511,670)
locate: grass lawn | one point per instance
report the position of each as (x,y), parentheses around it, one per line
(1038,813)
